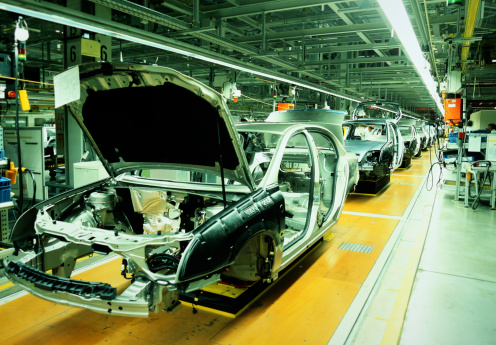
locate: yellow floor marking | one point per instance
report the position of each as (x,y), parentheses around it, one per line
(232,316)
(363,194)
(400,268)
(329,236)
(256,297)
(381,319)
(403,251)
(225,290)
(86,257)
(4,286)
(393,290)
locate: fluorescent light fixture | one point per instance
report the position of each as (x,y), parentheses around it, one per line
(103,31)
(398,18)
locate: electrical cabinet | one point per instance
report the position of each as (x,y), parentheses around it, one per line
(34,142)
(453,109)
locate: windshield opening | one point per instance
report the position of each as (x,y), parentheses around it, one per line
(377,111)
(365,131)
(257,147)
(405,131)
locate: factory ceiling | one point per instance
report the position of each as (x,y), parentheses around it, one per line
(344,47)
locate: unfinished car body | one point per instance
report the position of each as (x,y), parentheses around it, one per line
(423,135)
(433,133)
(375,140)
(410,137)
(201,204)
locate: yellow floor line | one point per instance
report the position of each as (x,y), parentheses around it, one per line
(215,311)
(4,286)
(86,257)
(363,194)
(329,236)
(395,323)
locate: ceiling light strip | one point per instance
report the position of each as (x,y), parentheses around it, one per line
(398,18)
(115,34)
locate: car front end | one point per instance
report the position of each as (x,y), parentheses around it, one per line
(167,211)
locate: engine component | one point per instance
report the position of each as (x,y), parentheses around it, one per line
(102,204)
(202,215)
(159,214)
(102,201)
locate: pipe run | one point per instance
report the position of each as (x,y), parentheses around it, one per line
(472,11)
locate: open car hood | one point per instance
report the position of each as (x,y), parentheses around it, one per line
(148,117)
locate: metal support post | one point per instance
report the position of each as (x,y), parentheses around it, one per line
(264,40)
(196,14)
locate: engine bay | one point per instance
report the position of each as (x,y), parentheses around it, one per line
(142,210)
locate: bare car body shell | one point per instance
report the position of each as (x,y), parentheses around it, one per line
(377,142)
(422,131)
(410,137)
(178,234)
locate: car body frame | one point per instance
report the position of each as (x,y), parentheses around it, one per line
(424,135)
(183,205)
(376,142)
(410,137)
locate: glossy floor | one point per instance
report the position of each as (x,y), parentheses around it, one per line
(307,305)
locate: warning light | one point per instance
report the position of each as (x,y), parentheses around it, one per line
(235,99)
(22,51)
(11,94)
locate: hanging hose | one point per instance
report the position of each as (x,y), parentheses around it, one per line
(19,155)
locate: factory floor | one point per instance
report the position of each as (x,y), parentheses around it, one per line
(425,273)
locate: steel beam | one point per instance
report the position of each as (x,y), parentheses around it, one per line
(61,15)
(447,19)
(331,30)
(266,6)
(178,6)
(362,35)
(356,61)
(343,48)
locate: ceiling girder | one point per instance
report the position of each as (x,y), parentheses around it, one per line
(331,30)
(267,6)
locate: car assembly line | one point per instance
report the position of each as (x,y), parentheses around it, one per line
(240,172)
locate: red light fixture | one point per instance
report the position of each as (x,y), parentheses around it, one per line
(11,94)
